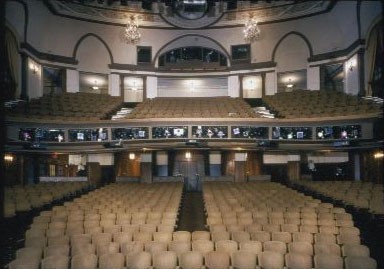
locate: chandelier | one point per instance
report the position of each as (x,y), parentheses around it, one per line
(251,30)
(132,34)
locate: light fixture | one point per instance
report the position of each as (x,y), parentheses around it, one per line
(132,34)
(290,84)
(188,155)
(378,155)
(131,156)
(251,30)
(95,87)
(8,158)
(33,66)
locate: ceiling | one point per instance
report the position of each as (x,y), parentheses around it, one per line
(186,14)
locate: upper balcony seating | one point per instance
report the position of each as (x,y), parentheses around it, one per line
(70,107)
(310,104)
(196,107)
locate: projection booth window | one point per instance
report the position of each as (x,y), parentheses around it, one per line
(192,56)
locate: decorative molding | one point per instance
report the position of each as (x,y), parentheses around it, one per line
(162,17)
(306,40)
(47,56)
(338,53)
(97,37)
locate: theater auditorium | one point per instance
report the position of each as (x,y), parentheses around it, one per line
(192,134)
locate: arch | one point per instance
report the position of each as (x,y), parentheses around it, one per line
(163,49)
(97,37)
(288,34)
(26,17)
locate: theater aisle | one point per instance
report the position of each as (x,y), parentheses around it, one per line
(192,215)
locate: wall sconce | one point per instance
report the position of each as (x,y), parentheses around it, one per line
(351,65)
(8,158)
(188,155)
(33,66)
(378,155)
(131,156)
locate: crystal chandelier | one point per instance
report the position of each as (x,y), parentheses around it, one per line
(132,34)
(251,30)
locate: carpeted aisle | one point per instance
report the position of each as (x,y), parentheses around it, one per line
(192,215)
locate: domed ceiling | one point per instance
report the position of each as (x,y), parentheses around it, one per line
(186,14)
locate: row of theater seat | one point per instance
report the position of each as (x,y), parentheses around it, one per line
(196,260)
(214,107)
(104,207)
(69,106)
(24,198)
(362,195)
(270,212)
(308,104)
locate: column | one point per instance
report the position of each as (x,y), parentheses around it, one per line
(72,80)
(360,64)
(114,85)
(215,163)
(24,70)
(146,167)
(313,78)
(162,163)
(240,167)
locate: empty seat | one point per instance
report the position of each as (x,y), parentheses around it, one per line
(228,246)
(220,235)
(132,247)
(55,262)
(271,260)
(191,260)
(355,250)
(261,236)
(164,260)
(139,260)
(198,235)
(184,236)
(179,247)
(360,262)
(328,261)
(82,249)
(324,248)
(251,246)
(155,246)
(111,261)
(203,246)
(285,237)
(110,247)
(240,236)
(300,247)
(217,260)
(29,253)
(243,259)
(276,246)
(298,261)
(24,263)
(84,261)
(56,250)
